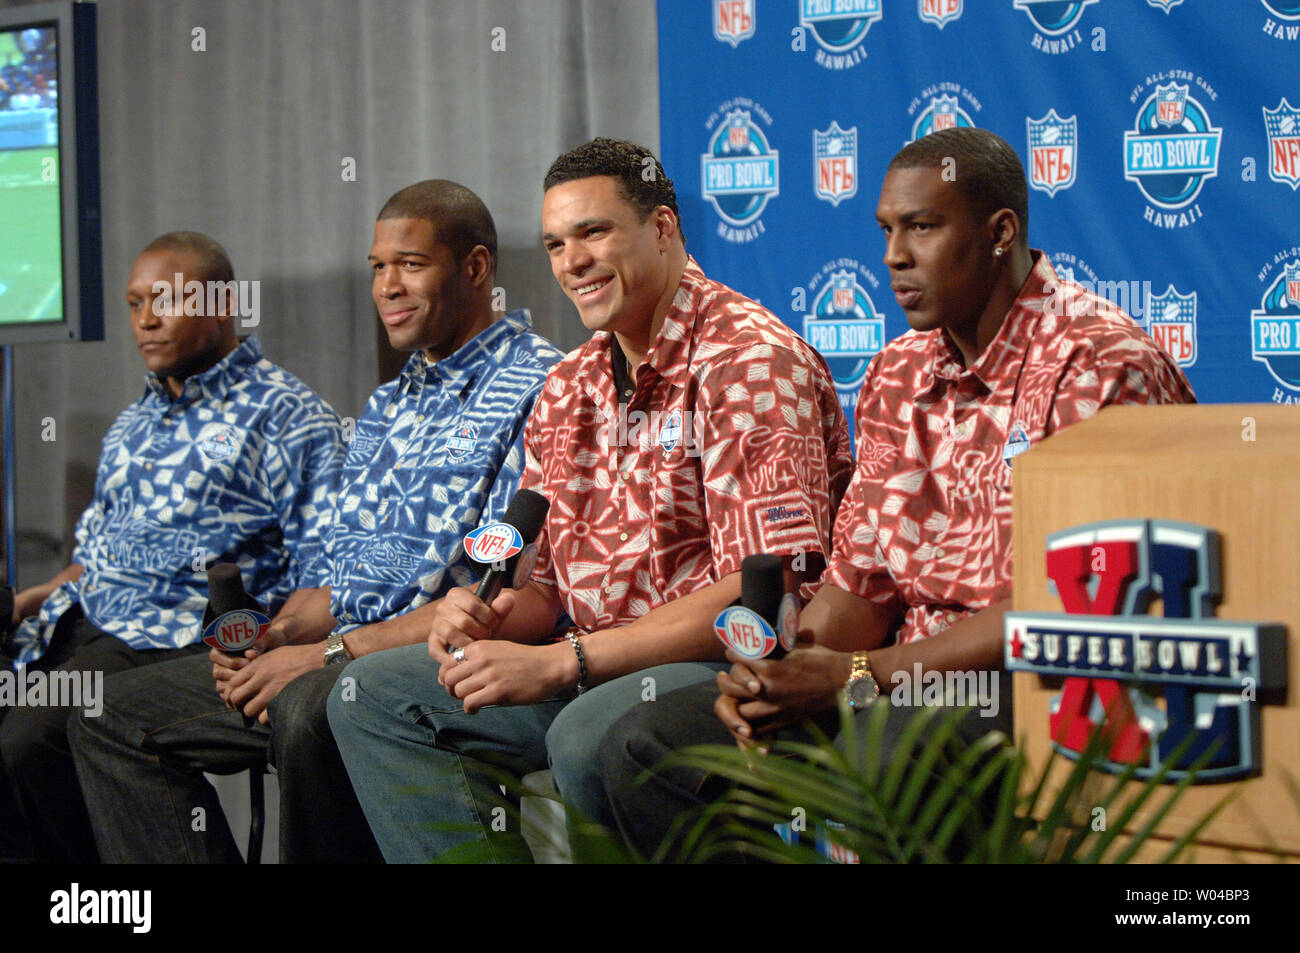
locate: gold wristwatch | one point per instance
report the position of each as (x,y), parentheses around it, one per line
(861,689)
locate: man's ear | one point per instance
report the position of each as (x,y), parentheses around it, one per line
(477,265)
(665,225)
(1004,228)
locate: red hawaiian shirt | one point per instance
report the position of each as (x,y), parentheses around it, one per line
(926,524)
(733,443)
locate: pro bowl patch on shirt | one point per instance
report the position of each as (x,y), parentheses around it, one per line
(1017,443)
(670,434)
(220,444)
(462,441)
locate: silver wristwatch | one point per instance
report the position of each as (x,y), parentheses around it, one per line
(336,653)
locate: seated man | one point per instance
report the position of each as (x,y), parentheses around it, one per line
(1001,354)
(692,430)
(226,458)
(437,451)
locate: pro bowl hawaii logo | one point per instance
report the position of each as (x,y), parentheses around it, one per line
(1165,5)
(1283,127)
(839,27)
(1287,11)
(843,324)
(835,157)
(1070,267)
(733,21)
(462,441)
(940,107)
(1052,152)
(939,12)
(1116,659)
(493,542)
(740,172)
(1055,21)
(1172,149)
(1275,326)
(1171,321)
(219,444)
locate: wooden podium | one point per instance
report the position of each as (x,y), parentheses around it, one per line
(1236,470)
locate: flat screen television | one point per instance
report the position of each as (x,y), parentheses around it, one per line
(51,262)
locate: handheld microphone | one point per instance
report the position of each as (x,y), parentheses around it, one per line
(765,621)
(233,620)
(508,546)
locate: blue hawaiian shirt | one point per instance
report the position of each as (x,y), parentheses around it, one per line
(438,451)
(240,467)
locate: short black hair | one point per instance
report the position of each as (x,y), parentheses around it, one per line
(212,258)
(459,218)
(641,179)
(987,170)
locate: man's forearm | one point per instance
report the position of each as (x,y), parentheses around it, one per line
(973,644)
(405,629)
(680,631)
(28,601)
(305,616)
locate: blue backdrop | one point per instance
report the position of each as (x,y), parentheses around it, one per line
(1160,138)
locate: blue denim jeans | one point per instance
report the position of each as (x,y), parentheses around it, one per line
(417,761)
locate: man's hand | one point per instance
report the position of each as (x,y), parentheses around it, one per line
(463,617)
(28,602)
(760,696)
(259,679)
(496,672)
(225,665)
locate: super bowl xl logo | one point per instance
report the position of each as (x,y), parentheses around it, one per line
(1283,127)
(1275,328)
(939,12)
(939,107)
(844,325)
(740,171)
(1171,321)
(1114,657)
(1052,152)
(839,27)
(733,20)
(1288,10)
(1055,21)
(1170,153)
(835,153)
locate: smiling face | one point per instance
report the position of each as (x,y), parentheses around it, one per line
(421,292)
(614,267)
(940,255)
(174,345)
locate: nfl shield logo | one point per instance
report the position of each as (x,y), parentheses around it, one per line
(836,153)
(1283,126)
(738,133)
(842,292)
(1172,322)
(1171,100)
(1291,275)
(944,113)
(1052,142)
(938,12)
(733,20)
